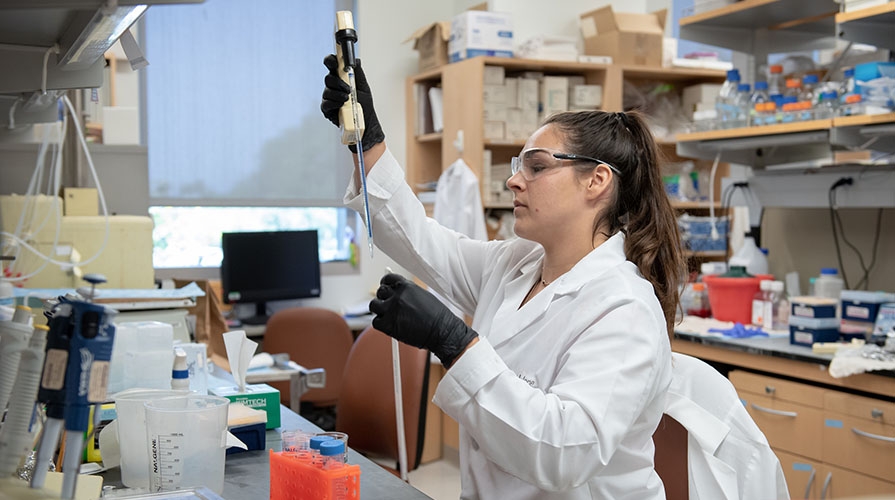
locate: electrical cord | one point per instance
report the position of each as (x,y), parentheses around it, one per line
(839,230)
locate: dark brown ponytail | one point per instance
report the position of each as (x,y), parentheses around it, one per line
(641,209)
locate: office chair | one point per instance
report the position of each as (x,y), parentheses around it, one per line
(366,409)
(314,338)
(726,455)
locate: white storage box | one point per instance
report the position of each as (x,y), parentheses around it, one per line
(479,33)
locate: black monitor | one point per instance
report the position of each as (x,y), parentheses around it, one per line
(262,266)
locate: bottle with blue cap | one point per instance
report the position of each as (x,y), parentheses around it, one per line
(742,105)
(829,283)
(827,106)
(724,104)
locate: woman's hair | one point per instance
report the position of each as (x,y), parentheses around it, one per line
(640,209)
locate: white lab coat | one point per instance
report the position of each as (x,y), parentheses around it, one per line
(458,202)
(728,456)
(559,398)
(458,206)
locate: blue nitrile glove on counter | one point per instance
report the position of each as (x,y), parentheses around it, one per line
(740,332)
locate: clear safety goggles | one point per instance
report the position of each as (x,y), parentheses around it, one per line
(534,162)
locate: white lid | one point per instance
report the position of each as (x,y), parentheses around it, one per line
(765,285)
(776,286)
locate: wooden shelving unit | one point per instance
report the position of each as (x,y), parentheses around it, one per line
(872,25)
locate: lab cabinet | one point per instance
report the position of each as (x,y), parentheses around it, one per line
(823,436)
(762,27)
(464,136)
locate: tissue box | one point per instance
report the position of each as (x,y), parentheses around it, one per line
(258,396)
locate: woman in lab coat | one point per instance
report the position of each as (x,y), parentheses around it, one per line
(560,381)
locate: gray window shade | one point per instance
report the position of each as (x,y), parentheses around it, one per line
(232,104)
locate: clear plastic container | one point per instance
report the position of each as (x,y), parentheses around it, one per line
(759,96)
(793,88)
(762,303)
(854,105)
(775,80)
(829,284)
(697,301)
(808,92)
(726,101)
(828,106)
(780,308)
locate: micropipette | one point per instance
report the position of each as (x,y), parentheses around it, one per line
(351,118)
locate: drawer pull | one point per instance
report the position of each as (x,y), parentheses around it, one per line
(873,436)
(810,482)
(823,491)
(770,389)
(876,413)
(775,412)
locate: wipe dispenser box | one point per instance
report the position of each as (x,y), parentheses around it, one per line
(258,396)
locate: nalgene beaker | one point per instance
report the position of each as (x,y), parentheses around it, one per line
(187,439)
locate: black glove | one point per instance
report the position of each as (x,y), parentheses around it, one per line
(337,92)
(414,316)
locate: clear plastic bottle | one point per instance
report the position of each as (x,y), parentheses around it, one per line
(828,284)
(759,96)
(808,92)
(761,305)
(827,106)
(793,88)
(789,111)
(853,105)
(725,102)
(742,105)
(698,303)
(775,80)
(780,318)
(333,453)
(848,84)
(811,281)
(314,443)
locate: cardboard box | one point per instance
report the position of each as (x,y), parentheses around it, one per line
(586,97)
(494,130)
(626,37)
(478,33)
(527,94)
(80,201)
(554,95)
(702,93)
(259,396)
(431,41)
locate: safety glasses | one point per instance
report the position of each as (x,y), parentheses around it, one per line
(534,162)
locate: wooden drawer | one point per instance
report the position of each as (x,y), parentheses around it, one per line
(841,483)
(860,407)
(778,389)
(788,426)
(859,444)
(801,475)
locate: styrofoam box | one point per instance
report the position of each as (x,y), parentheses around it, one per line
(586,96)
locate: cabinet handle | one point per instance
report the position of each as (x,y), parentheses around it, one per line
(823,491)
(810,482)
(775,412)
(876,413)
(770,389)
(873,436)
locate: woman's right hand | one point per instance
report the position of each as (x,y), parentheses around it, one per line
(337,92)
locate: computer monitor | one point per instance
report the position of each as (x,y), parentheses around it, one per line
(275,265)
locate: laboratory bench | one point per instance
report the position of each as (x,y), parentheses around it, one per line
(247,474)
(835,437)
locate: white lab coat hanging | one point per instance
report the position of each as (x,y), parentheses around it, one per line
(458,202)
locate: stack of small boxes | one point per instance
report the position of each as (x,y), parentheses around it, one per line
(860,310)
(515,106)
(813,319)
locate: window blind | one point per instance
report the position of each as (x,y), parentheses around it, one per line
(232,103)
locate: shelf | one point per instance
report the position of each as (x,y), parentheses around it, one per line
(672,74)
(499,205)
(794,24)
(872,25)
(691,205)
(504,143)
(732,133)
(857,120)
(433,137)
(709,254)
(518,64)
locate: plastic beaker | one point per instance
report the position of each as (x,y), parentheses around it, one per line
(132,432)
(187,442)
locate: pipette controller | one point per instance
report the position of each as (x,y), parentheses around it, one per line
(351,116)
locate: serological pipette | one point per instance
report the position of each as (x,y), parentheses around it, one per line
(351,117)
